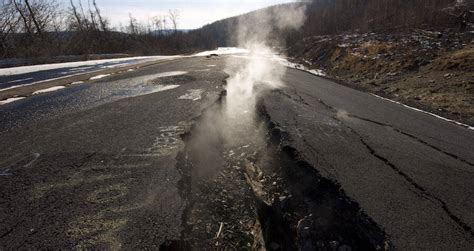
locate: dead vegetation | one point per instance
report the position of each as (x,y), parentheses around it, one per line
(430,70)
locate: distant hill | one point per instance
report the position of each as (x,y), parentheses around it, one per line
(323,17)
(329,17)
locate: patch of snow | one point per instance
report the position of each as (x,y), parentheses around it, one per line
(77,83)
(6,101)
(38,82)
(425,112)
(160,88)
(285,62)
(51,89)
(192,94)
(170,74)
(223,51)
(316,72)
(349,36)
(99,76)
(117,61)
(289,64)
(129,70)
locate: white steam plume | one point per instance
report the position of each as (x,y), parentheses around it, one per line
(234,124)
(260,70)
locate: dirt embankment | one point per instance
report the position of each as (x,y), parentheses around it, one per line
(426,69)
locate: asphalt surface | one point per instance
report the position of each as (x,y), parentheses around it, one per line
(89,166)
(410,172)
(94,165)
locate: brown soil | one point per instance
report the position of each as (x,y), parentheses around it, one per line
(426,69)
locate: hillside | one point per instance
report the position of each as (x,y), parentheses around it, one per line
(328,17)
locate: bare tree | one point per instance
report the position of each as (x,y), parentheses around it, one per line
(173,15)
(132,25)
(160,25)
(32,14)
(26,22)
(8,24)
(78,24)
(94,26)
(8,19)
(102,21)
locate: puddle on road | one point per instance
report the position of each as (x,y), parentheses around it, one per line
(142,90)
(149,84)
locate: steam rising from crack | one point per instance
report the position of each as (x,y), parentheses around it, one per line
(234,124)
(228,138)
(261,70)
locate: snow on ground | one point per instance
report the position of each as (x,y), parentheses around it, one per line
(99,76)
(223,51)
(51,89)
(316,72)
(83,64)
(77,82)
(160,88)
(284,62)
(110,63)
(6,101)
(193,94)
(289,64)
(170,74)
(37,82)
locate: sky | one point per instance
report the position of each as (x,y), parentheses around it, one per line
(192,13)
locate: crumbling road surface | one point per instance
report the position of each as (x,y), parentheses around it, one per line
(119,164)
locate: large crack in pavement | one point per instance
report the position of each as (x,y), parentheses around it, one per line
(398,130)
(262,195)
(423,191)
(454,156)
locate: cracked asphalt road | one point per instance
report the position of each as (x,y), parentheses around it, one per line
(94,165)
(410,172)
